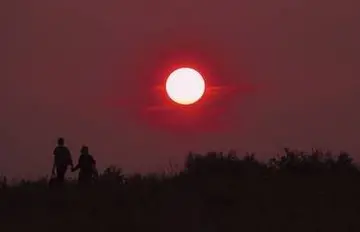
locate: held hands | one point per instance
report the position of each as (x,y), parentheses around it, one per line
(72,168)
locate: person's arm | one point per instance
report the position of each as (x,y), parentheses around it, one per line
(93,162)
(53,168)
(54,162)
(78,165)
(70,161)
(95,171)
(75,168)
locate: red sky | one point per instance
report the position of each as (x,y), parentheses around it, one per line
(282,73)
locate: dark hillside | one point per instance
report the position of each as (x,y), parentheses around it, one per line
(214,192)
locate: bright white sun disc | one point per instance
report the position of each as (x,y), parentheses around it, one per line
(185,86)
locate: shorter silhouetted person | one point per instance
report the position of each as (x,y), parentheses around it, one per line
(62,159)
(87,166)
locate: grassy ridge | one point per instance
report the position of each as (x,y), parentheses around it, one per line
(214,192)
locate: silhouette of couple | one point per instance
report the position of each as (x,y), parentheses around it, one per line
(62,160)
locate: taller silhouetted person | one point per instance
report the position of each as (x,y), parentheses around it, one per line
(62,159)
(87,166)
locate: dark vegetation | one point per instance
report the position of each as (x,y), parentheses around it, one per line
(295,191)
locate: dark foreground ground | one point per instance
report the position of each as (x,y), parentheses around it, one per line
(211,194)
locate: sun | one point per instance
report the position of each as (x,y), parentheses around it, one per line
(185,86)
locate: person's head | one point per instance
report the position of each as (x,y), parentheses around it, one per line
(84,150)
(61,141)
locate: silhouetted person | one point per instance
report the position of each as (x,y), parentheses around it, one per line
(62,159)
(87,166)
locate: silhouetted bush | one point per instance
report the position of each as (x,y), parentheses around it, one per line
(112,175)
(3,182)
